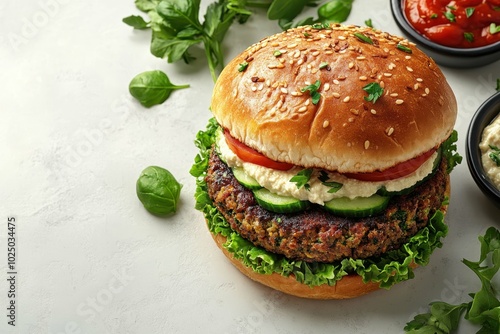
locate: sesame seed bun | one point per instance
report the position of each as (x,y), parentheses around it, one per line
(263,104)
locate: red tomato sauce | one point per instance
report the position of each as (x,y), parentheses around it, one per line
(459,23)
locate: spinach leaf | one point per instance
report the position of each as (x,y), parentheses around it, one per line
(146,5)
(335,11)
(152,87)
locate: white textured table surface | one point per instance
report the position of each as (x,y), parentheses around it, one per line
(91,260)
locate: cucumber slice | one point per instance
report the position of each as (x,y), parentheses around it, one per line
(244,179)
(358,207)
(277,203)
(382,191)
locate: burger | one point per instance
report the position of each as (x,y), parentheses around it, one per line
(324,172)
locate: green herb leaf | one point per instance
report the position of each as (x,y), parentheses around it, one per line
(369,23)
(288,9)
(469,11)
(469,37)
(180,14)
(363,38)
(374,92)
(152,87)
(277,53)
(335,11)
(242,67)
(146,5)
(495,154)
(321,26)
(404,48)
(334,186)
(450,16)
(324,64)
(434,16)
(313,91)
(449,150)
(498,85)
(443,318)
(158,190)
(302,178)
(137,22)
(494,28)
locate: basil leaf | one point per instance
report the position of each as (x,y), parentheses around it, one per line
(146,5)
(313,91)
(158,190)
(180,14)
(469,11)
(152,87)
(494,28)
(285,9)
(335,11)
(137,22)
(173,49)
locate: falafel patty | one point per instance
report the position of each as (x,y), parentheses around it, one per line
(315,235)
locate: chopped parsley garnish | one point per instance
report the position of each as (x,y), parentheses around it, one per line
(469,36)
(495,155)
(334,186)
(369,23)
(313,91)
(320,26)
(403,48)
(434,16)
(469,11)
(277,53)
(302,178)
(450,16)
(374,92)
(494,28)
(363,38)
(242,67)
(306,34)
(324,64)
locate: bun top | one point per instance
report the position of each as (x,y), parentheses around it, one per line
(261,97)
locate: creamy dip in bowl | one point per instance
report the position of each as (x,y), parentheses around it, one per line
(484,130)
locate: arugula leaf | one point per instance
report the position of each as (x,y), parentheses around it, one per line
(170,47)
(302,178)
(495,155)
(484,309)
(449,149)
(152,87)
(374,92)
(313,91)
(136,21)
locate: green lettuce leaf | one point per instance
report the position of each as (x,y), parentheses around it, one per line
(388,270)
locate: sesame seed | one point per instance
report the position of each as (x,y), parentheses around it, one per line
(342,38)
(354,111)
(329,52)
(307,102)
(350,119)
(382,84)
(361,58)
(387,74)
(341,77)
(351,65)
(408,57)
(315,53)
(424,95)
(335,81)
(280,65)
(391,66)
(314,70)
(260,86)
(271,66)
(367,144)
(268,83)
(300,61)
(336,95)
(427,90)
(394,94)
(325,124)
(373,111)
(420,79)
(409,69)
(291,46)
(347,99)
(284,90)
(326,87)
(399,101)
(416,86)
(302,109)
(363,78)
(296,54)
(390,130)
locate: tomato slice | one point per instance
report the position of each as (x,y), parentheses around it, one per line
(248,154)
(395,172)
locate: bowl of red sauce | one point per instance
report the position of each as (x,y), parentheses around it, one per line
(460,33)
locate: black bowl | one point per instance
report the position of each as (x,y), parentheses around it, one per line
(483,116)
(444,55)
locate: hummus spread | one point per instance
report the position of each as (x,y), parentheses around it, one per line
(490,147)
